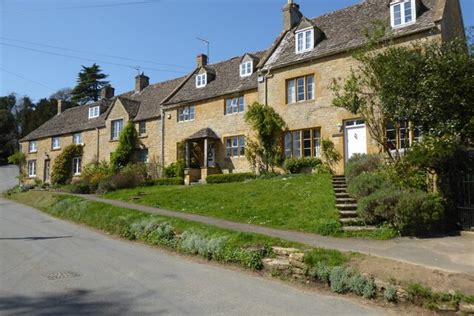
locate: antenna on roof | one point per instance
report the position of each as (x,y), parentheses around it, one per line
(137,68)
(208,43)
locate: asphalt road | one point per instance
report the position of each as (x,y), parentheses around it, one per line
(52,267)
(8,177)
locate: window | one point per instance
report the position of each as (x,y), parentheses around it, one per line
(201,80)
(77,139)
(401,136)
(304,40)
(116,128)
(303,143)
(143,155)
(246,69)
(234,105)
(235,146)
(402,12)
(142,128)
(32,168)
(94,112)
(76,165)
(186,114)
(300,89)
(32,146)
(55,142)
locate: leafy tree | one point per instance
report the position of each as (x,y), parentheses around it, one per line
(23,115)
(90,81)
(123,155)
(62,168)
(268,125)
(8,134)
(63,94)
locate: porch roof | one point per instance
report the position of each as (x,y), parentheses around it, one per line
(203,133)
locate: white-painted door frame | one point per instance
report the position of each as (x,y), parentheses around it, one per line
(351,125)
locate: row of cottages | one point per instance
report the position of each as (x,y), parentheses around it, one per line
(200,117)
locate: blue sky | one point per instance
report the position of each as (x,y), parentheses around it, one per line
(157,35)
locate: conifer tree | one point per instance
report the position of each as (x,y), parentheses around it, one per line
(90,81)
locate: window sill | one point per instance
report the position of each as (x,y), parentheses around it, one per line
(113,141)
(33,152)
(301,102)
(143,136)
(396,27)
(32,177)
(56,149)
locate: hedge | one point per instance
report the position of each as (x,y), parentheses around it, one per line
(230,177)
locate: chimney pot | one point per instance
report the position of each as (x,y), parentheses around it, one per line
(141,82)
(201,60)
(62,106)
(291,15)
(107,92)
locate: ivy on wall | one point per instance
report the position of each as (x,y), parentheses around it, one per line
(62,168)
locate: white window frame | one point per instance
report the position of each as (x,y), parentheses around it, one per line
(307,40)
(294,143)
(32,168)
(402,4)
(235,105)
(142,128)
(186,113)
(201,80)
(32,146)
(292,93)
(235,143)
(75,137)
(115,132)
(94,112)
(76,165)
(246,69)
(56,142)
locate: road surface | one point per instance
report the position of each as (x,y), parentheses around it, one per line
(52,267)
(8,176)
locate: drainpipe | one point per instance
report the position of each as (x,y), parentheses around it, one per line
(265,78)
(162,146)
(98,143)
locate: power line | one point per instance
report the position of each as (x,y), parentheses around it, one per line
(91,53)
(26,79)
(86,6)
(89,59)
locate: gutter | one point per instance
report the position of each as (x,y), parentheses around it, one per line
(162,145)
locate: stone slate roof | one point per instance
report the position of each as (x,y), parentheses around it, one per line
(71,120)
(203,133)
(227,80)
(131,106)
(344,30)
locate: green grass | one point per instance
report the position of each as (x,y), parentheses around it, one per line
(304,203)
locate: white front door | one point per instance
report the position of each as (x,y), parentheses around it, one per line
(355,136)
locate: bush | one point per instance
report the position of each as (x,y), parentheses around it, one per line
(320,271)
(359,164)
(129,177)
(175,170)
(327,227)
(329,153)
(96,172)
(367,183)
(339,279)
(127,143)
(230,177)
(357,284)
(370,289)
(195,243)
(165,181)
(62,168)
(78,187)
(380,206)
(297,165)
(390,294)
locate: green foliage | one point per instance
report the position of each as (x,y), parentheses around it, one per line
(320,271)
(296,165)
(330,258)
(327,227)
(8,134)
(95,173)
(90,81)
(329,153)
(358,284)
(17,158)
(367,183)
(62,167)
(390,294)
(77,187)
(175,170)
(133,175)
(370,289)
(126,147)
(359,164)
(230,177)
(339,279)
(268,125)
(380,206)
(165,181)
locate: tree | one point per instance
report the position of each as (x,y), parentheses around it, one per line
(264,154)
(8,128)
(24,111)
(63,94)
(89,82)
(126,147)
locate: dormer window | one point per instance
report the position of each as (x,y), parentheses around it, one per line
(94,112)
(402,12)
(304,40)
(201,80)
(246,69)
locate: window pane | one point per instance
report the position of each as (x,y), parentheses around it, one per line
(404,135)
(241,104)
(242,145)
(310,87)
(317,142)
(300,87)
(288,149)
(191,113)
(299,42)
(291,92)
(297,144)
(308,39)
(307,143)
(397,15)
(408,12)
(391,136)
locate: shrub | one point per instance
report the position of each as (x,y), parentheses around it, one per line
(390,294)
(360,163)
(339,279)
(366,183)
(62,168)
(165,181)
(127,143)
(380,206)
(330,258)
(327,227)
(297,165)
(17,158)
(357,284)
(196,243)
(370,289)
(230,177)
(329,153)
(78,187)
(133,175)
(95,172)
(175,170)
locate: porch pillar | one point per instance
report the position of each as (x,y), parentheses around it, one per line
(187,154)
(205,153)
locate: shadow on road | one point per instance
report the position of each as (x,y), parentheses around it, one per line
(34,238)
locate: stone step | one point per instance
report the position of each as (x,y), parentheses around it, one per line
(338,177)
(358,228)
(352,221)
(340,190)
(339,181)
(348,214)
(347,200)
(346,207)
(339,185)
(342,195)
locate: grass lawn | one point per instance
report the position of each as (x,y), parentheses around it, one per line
(302,202)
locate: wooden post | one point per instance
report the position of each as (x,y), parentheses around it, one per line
(187,158)
(205,153)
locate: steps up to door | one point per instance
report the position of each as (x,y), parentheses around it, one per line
(347,207)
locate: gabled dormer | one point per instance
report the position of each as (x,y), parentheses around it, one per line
(247,65)
(403,12)
(307,35)
(204,74)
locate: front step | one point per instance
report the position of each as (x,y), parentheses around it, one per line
(342,195)
(348,200)
(359,228)
(340,190)
(346,207)
(348,214)
(352,221)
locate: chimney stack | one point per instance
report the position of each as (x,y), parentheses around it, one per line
(107,92)
(141,82)
(291,15)
(62,106)
(201,60)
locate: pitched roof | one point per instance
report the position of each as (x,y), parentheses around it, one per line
(203,133)
(131,106)
(345,29)
(227,80)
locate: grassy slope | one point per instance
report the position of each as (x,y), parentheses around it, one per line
(301,203)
